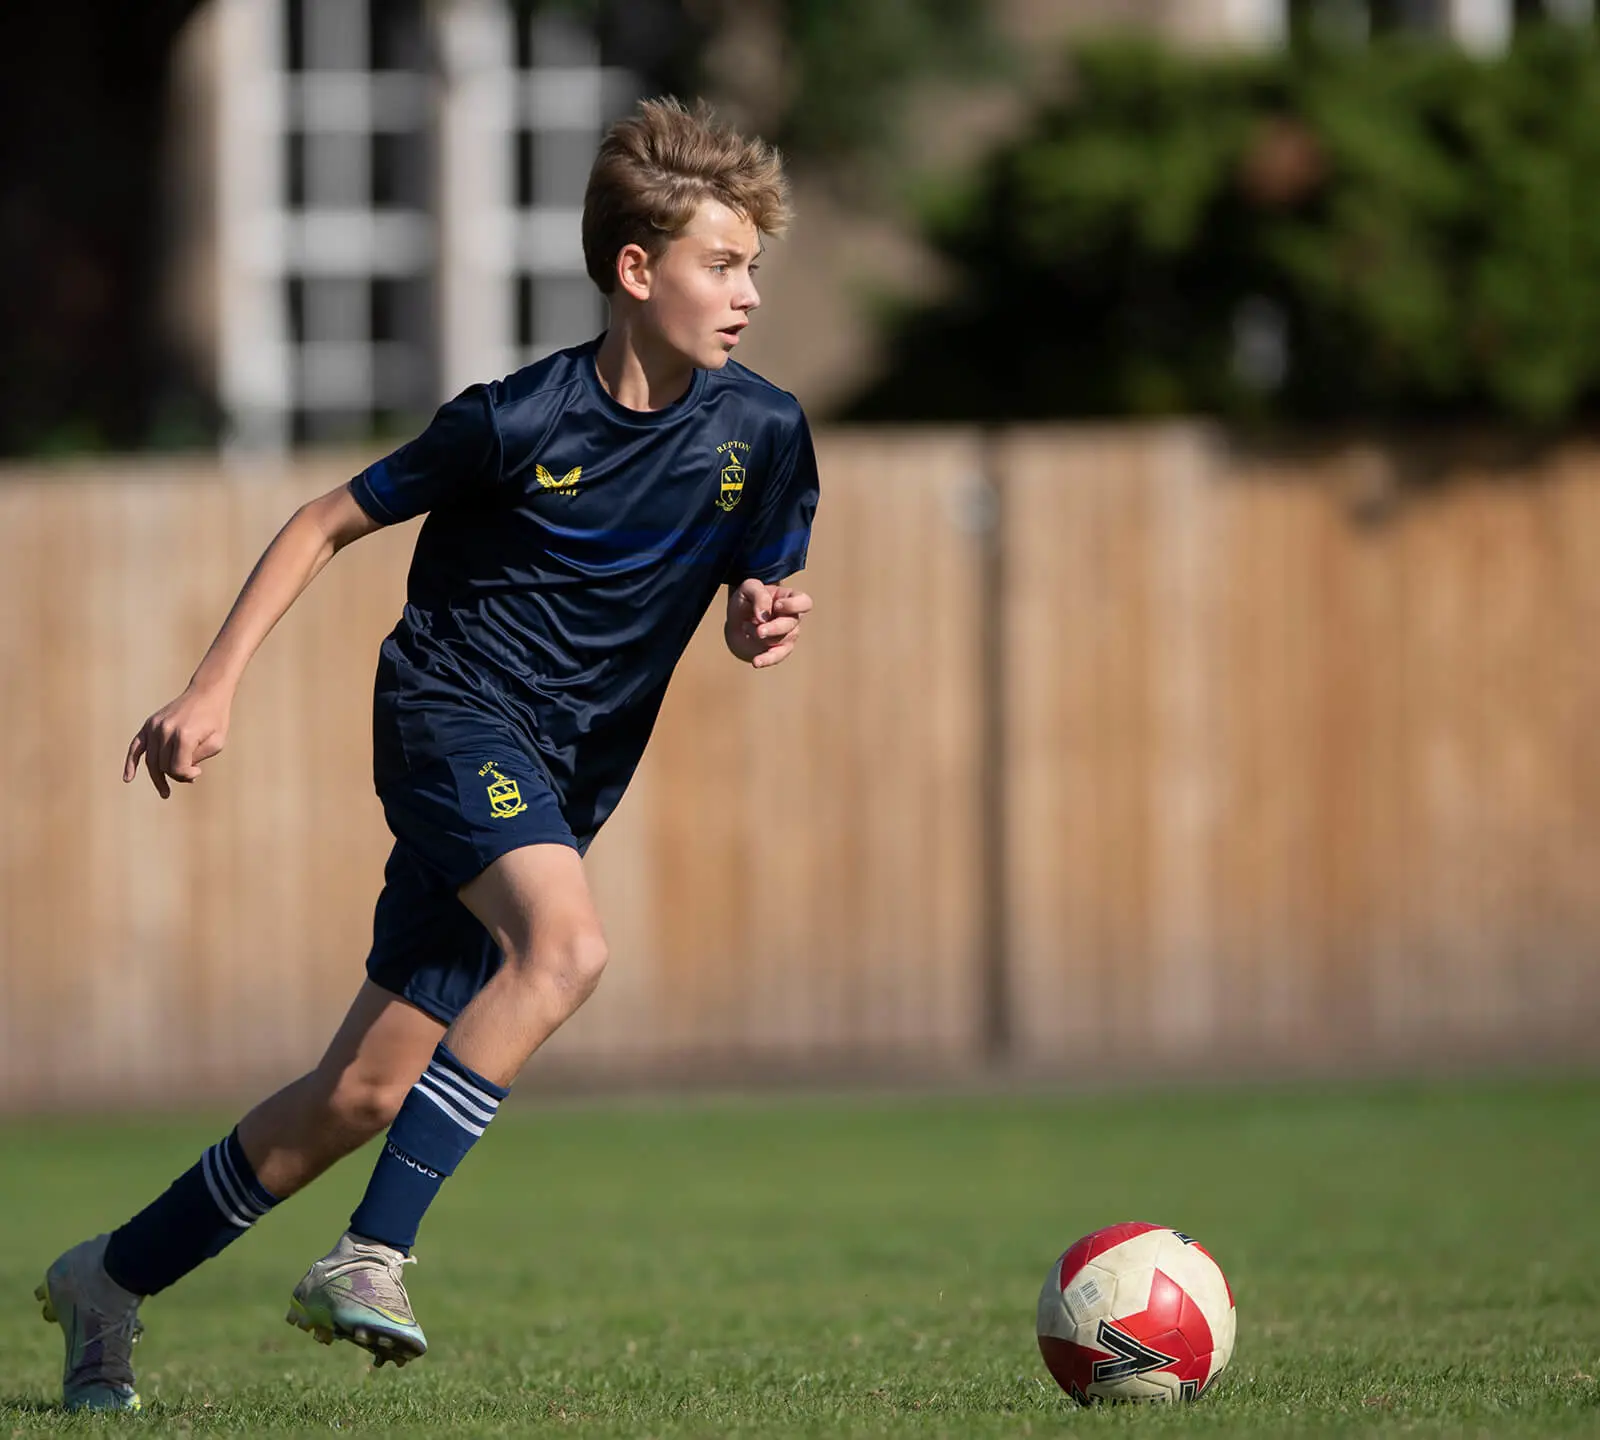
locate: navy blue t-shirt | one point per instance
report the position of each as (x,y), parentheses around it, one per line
(572,547)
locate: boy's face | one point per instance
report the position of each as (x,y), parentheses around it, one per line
(701,289)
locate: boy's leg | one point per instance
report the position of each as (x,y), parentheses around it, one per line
(353,1094)
(535,905)
(93,1290)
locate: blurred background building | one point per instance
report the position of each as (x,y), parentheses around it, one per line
(358,205)
(397,190)
(397,185)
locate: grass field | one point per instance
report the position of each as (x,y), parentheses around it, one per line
(1418,1261)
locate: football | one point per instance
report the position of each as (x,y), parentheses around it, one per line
(1136,1312)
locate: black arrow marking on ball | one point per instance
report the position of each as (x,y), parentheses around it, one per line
(1135,1357)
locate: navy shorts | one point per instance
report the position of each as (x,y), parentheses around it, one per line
(452,819)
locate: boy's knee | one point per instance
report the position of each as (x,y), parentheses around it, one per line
(364,1105)
(586,960)
(574,961)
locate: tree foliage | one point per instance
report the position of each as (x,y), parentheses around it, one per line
(845,68)
(1395,230)
(853,65)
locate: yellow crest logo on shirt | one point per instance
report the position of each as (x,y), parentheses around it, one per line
(566,485)
(505,799)
(731,490)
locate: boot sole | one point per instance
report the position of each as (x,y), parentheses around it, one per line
(384,1348)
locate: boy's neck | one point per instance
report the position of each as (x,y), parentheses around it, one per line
(636,373)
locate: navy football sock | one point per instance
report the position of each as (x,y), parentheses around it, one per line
(203,1211)
(446,1111)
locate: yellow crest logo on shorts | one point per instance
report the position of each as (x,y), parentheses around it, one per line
(566,485)
(505,799)
(731,490)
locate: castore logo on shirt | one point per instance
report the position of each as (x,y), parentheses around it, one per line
(566,485)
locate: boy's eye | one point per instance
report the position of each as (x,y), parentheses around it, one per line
(721,267)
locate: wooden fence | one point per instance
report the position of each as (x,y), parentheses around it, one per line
(1106,752)
(1285,786)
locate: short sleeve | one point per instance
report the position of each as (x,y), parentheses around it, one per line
(458,454)
(779,535)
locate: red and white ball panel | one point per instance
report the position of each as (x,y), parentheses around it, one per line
(1136,1312)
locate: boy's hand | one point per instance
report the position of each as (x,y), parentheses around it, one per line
(763,622)
(180,735)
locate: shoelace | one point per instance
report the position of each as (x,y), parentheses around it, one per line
(385,1264)
(129,1328)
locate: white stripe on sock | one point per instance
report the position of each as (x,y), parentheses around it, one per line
(226,1181)
(221,1193)
(216,1194)
(241,1192)
(464,1108)
(237,1197)
(481,1105)
(465,1103)
(483,1090)
(466,1086)
(448,1109)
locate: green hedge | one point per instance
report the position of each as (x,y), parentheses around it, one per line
(1393,231)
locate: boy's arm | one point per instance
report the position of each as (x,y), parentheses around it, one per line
(764,614)
(763,621)
(192,728)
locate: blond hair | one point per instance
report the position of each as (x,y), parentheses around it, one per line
(656,167)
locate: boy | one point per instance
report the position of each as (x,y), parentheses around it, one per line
(582,514)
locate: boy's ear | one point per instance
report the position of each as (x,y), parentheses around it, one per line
(634,272)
